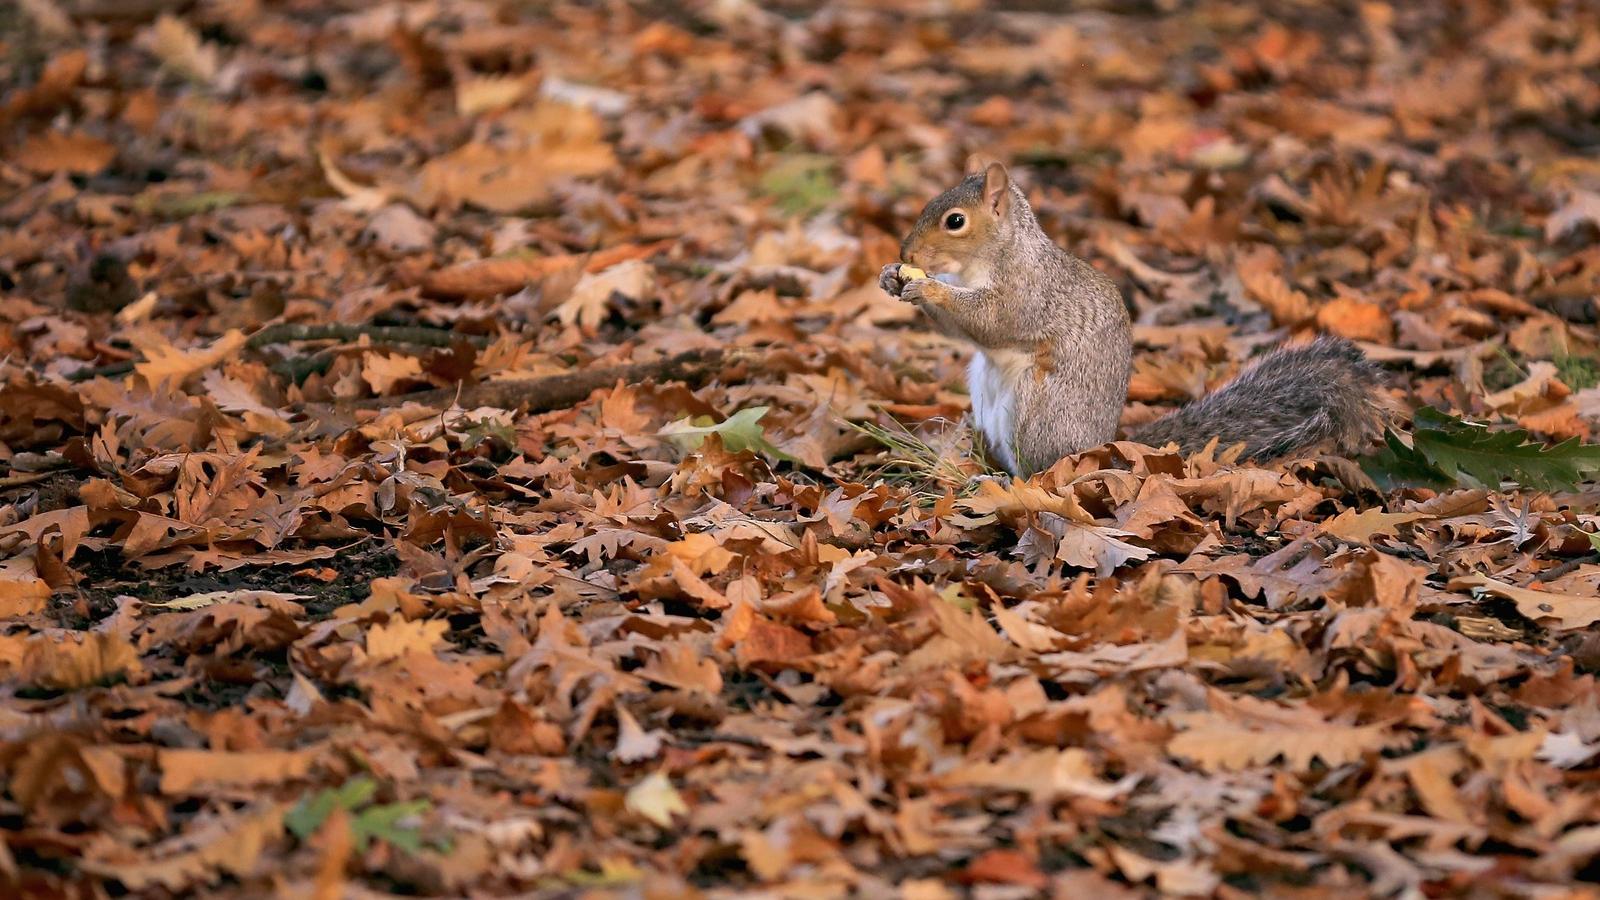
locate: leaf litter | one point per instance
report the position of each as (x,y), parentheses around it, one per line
(458,448)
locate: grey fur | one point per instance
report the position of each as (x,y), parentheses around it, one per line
(1038,301)
(1056,330)
(1293,399)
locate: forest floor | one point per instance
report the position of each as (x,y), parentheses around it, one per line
(460,448)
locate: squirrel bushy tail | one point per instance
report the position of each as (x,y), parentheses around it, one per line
(1324,392)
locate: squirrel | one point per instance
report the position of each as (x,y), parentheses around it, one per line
(1055,346)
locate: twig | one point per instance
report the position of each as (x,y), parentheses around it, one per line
(556,391)
(421,335)
(10,481)
(110,370)
(287,333)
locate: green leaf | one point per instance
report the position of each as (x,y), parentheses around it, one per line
(740,431)
(802,184)
(1594,539)
(385,822)
(182,206)
(309,814)
(1445,449)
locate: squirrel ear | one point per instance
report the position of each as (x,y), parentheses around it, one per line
(978,162)
(997,188)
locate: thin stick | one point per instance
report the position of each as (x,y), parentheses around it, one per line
(420,335)
(556,391)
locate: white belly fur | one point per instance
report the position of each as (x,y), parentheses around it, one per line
(990,377)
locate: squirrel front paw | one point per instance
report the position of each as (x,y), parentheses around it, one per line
(925,292)
(889,279)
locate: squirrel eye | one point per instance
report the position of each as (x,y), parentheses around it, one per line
(955,221)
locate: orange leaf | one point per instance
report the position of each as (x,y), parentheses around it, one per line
(54,151)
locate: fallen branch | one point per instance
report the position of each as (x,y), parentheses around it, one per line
(420,335)
(557,391)
(288,333)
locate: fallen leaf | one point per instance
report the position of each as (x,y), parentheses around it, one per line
(1563,612)
(654,798)
(1362,527)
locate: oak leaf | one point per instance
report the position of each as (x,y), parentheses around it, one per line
(1360,528)
(1218,744)
(590,301)
(232,845)
(90,659)
(1043,774)
(166,366)
(1562,612)
(400,637)
(382,371)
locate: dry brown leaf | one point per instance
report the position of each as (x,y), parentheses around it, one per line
(1563,612)
(79,662)
(188,771)
(166,366)
(401,637)
(548,142)
(1042,774)
(1358,320)
(590,301)
(1361,527)
(1217,744)
(76,153)
(180,49)
(678,665)
(232,845)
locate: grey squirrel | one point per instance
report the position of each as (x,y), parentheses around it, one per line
(1055,347)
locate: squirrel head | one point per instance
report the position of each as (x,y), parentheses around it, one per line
(965,230)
